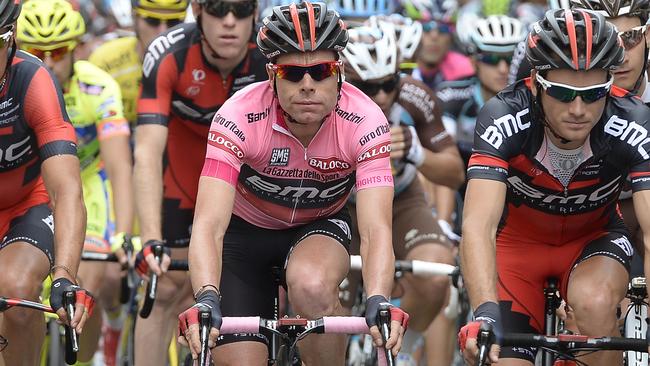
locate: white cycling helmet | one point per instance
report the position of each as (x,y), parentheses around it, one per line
(495,33)
(363,8)
(407,32)
(372,51)
(121,10)
(559,4)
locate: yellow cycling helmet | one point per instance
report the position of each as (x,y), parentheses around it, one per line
(49,24)
(161,9)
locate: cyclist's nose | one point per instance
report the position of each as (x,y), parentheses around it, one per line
(577,107)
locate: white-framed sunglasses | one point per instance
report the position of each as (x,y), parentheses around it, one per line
(568,93)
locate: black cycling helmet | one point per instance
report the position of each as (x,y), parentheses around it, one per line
(574,39)
(301,27)
(9,11)
(616,8)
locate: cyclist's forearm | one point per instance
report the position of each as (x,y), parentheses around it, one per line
(116,155)
(478,265)
(205,258)
(147,175)
(445,202)
(444,168)
(378,261)
(69,230)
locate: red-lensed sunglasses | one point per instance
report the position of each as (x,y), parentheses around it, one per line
(318,71)
(56,54)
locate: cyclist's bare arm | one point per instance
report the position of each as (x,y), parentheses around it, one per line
(63,182)
(116,155)
(209,227)
(444,167)
(445,202)
(641,201)
(374,215)
(61,175)
(484,202)
(206,244)
(150,142)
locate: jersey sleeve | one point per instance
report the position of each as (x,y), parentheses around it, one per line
(226,148)
(158,82)
(373,156)
(492,145)
(432,132)
(44,112)
(110,112)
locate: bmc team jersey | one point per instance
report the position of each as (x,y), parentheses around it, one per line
(181,91)
(33,127)
(417,106)
(280,183)
(510,147)
(119,58)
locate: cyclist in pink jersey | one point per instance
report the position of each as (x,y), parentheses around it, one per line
(282,158)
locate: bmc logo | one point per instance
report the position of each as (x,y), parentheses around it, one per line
(222,142)
(597,195)
(328,165)
(375,152)
(157,47)
(300,191)
(280,157)
(15,151)
(630,132)
(505,127)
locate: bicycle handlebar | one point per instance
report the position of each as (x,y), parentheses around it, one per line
(71,344)
(152,286)
(417,267)
(562,343)
(256,324)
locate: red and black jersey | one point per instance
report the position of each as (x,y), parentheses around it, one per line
(507,140)
(182,91)
(33,127)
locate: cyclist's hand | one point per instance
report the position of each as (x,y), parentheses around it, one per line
(84,303)
(486,312)
(118,241)
(188,322)
(398,324)
(405,145)
(146,261)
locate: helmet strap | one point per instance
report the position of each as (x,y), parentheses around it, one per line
(641,77)
(10,60)
(204,39)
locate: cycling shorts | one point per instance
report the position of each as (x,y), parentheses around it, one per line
(524,267)
(254,260)
(100,224)
(176,224)
(414,224)
(33,225)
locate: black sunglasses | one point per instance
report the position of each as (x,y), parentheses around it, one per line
(371,89)
(240,9)
(494,58)
(155,22)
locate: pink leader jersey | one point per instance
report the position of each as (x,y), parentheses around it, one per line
(279,183)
